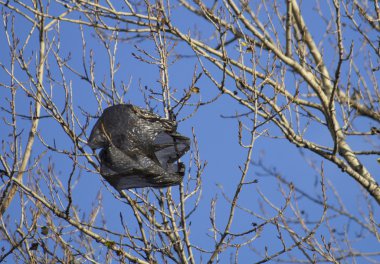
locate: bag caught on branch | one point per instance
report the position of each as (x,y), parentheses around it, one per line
(138,148)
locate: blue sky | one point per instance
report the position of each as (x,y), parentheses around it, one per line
(217,137)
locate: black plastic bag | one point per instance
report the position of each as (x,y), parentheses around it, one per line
(138,148)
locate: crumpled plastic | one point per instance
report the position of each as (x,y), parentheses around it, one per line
(138,148)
